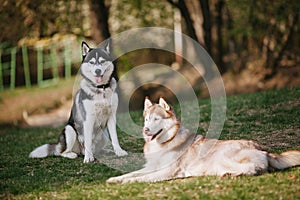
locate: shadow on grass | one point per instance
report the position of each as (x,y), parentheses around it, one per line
(20,174)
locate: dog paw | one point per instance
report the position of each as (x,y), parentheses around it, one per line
(111,180)
(71,155)
(121,152)
(114,180)
(88,159)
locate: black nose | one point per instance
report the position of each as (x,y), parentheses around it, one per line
(98,72)
(146,129)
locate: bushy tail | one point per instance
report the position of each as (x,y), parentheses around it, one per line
(284,160)
(43,151)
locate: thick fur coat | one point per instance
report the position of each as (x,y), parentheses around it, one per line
(172,151)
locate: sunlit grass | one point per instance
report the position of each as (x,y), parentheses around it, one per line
(270,118)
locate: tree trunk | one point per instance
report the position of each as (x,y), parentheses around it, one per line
(99,12)
(231,48)
(287,39)
(206,24)
(219,19)
(186,15)
(274,57)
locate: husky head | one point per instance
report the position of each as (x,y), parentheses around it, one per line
(160,122)
(97,66)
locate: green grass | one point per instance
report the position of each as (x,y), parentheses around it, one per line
(270,118)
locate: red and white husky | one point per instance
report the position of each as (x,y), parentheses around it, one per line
(172,151)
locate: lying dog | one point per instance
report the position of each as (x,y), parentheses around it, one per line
(172,151)
(93,112)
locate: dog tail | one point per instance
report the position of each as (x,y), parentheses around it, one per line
(44,151)
(284,160)
(52,149)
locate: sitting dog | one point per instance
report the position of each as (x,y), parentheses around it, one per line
(93,112)
(172,151)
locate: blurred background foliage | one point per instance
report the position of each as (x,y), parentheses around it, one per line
(238,34)
(41,18)
(255,44)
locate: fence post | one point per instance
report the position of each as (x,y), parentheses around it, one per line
(26,67)
(54,63)
(1,75)
(13,68)
(67,60)
(40,65)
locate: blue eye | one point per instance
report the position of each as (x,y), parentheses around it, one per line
(92,62)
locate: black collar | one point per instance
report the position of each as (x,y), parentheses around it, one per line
(104,86)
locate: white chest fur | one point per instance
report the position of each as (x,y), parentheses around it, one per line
(103,104)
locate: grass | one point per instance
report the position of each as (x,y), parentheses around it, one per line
(270,118)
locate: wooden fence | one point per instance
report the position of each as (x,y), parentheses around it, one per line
(46,59)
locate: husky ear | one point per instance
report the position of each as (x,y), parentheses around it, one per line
(84,48)
(107,46)
(164,104)
(147,103)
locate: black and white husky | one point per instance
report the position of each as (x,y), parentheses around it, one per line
(93,112)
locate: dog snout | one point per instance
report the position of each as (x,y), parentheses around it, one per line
(146,129)
(98,72)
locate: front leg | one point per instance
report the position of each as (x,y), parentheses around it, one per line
(143,175)
(137,173)
(111,125)
(88,127)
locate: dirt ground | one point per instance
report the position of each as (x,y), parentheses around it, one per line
(14,105)
(51,106)
(252,80)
